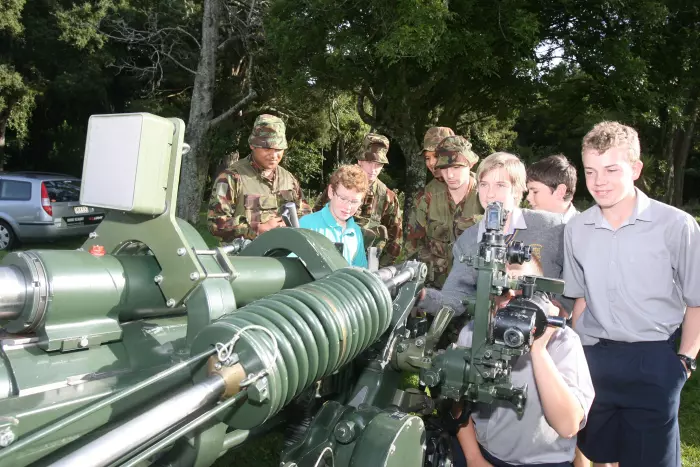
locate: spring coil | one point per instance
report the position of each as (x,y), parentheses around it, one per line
(319,327)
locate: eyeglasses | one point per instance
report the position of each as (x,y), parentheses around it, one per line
(349,202)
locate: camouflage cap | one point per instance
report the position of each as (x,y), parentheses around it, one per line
(268,132)
(434,135)
(455,151)
(374,149)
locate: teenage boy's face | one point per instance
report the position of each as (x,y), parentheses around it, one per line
(495,185)
(610,175)
(543,198)
(455,176)
(344,203)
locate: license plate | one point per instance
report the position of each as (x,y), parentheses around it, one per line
(81,209)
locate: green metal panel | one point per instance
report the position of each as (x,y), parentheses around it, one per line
(53,385)
(391,440)
(170,239)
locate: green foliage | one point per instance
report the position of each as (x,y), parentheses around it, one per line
(17,97)
(304,160)
(10,18)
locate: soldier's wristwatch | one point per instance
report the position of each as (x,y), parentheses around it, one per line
(690,363)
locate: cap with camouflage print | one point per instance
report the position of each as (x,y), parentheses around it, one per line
(455,151)
(374,149)
(434,135)
(268,132)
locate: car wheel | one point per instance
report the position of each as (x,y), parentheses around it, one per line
(7,236)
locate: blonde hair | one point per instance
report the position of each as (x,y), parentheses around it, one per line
(512,165)
(607,135)
(351,177)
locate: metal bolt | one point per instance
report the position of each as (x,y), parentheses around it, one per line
(345,431)
(431,378)
(83,342)
(7,437)
(487,354)
(420,342)
(92,235)
(181,252)
(158,279)
(194,276)
(218,365)
(170,303)
(401,348)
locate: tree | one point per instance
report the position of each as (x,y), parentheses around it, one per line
(640,59)
(411,64)
(218,64)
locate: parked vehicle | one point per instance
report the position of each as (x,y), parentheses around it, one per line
(41,206)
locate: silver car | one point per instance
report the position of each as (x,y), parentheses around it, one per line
(41,206)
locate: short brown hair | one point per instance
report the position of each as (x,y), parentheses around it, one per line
(607,135)
(512,164)
(351,177)
(553,171)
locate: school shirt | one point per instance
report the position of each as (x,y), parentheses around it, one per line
(637,279)
(351,236)
(530,439)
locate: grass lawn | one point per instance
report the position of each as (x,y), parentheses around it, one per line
(264,452)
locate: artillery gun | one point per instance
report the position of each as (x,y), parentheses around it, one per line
(146,347)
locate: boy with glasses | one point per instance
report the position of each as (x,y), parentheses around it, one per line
(346,191)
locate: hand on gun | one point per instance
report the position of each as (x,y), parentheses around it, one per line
(273,223)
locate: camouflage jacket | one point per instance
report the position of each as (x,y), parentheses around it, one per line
(242,198)
(434,224)
(380,219)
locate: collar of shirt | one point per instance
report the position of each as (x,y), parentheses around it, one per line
(332,223)
(571,212)
(517,222)
(642,212)
(259,170)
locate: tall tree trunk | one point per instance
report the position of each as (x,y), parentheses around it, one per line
(4,117)
(681,156)
(193,174)
(415,168)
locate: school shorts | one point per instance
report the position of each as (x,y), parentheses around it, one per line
(634,416)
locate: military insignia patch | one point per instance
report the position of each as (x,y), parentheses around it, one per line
(536,250)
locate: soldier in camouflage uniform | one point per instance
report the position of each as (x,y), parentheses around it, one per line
(442,212)
(246,196)
(380,216)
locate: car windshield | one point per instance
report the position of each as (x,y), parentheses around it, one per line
(61,191)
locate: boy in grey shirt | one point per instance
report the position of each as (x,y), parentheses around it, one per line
(559,395)
(633,265)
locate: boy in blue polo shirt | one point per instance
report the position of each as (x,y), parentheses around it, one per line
(346,191)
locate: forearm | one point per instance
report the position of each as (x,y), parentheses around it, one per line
(579,306)
(690,337)
(227,229)
(466,436)
(561,408)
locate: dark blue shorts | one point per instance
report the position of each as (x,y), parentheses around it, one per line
(634,416)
